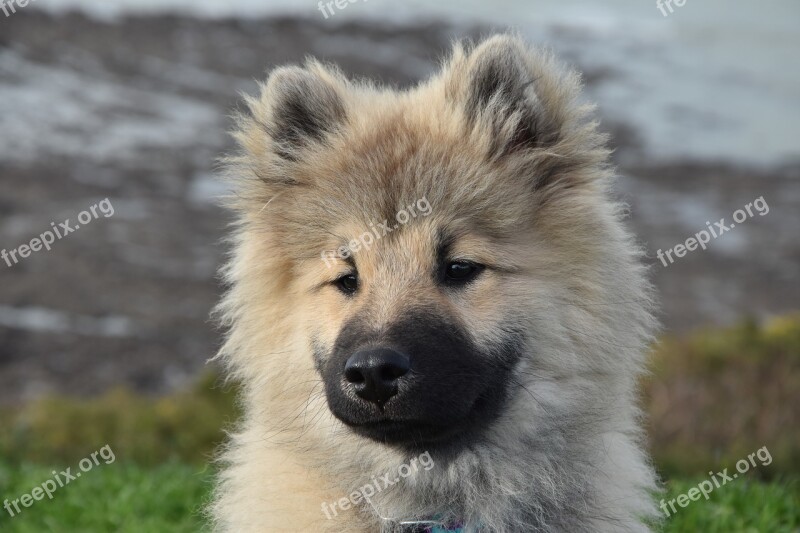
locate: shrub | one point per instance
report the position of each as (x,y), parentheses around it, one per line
(187,425)
(718,395)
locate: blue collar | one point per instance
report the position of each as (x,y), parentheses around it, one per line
(443,529)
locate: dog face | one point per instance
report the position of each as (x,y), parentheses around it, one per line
(415,336)
(419,259)
(416,339)
(402,366)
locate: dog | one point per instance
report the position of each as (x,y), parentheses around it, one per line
(497,329)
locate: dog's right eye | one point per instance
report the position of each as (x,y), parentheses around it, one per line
(461,272)
(347,283)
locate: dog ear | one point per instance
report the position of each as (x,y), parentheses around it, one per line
(497,87)
(299,107)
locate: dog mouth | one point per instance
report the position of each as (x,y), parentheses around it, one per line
(424,425)
(406,432)
(414,433)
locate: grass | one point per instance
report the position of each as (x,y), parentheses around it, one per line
(121,497)
(117,497)
(742,506)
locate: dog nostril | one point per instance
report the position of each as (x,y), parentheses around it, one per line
(391,372)
(375,373)
(354,375)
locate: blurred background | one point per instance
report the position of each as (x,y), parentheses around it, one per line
(105,338)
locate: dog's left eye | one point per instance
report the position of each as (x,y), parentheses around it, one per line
(458,272)
(347,283)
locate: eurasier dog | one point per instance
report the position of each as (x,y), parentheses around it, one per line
(435,311)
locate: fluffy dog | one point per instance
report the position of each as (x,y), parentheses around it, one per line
(494,322)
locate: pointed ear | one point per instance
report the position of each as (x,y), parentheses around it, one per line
(496,85)
(299,107)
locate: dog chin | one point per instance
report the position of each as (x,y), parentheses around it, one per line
(407,434)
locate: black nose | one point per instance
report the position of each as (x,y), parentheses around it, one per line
(374,373)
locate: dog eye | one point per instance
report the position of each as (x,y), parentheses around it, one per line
(347,283)
(459,272)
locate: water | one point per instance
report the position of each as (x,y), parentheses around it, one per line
(712,81)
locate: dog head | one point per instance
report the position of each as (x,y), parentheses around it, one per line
(422,265)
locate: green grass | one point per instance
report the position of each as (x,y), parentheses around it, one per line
(123,497)
(116,497)
(741,506)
